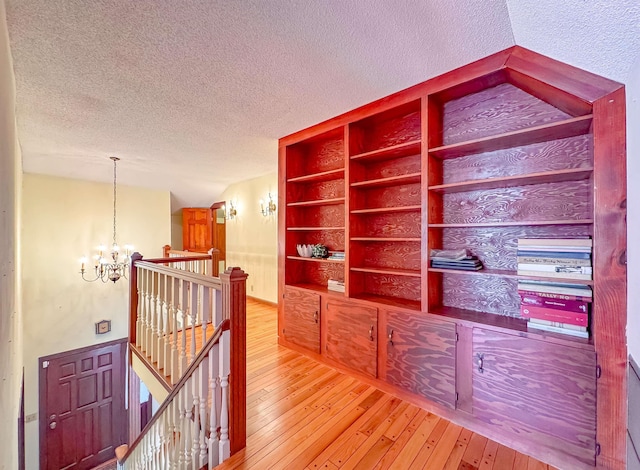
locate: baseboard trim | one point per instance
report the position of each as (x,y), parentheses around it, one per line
(262,301)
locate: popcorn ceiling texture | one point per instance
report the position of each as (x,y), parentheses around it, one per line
(192,95)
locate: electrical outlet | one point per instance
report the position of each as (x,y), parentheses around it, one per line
(31,417)
(251,287)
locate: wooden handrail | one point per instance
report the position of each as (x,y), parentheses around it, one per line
(153,266)
(224,326)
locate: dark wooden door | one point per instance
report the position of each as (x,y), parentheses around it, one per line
(218,229)
(421,356)
(196,229)
(82,414)
(302,318)
(351,335)
(544,393)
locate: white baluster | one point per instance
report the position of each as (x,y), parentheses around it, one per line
(145,316)
(203,382)
(206,315)
(213,361)
(188,402)
(175,369)
(170,312)
(162,279)
(140,309)
(153,345)
(193,310)
(217,305)
(195,424)
(183,425)
(225,445)
(185,313)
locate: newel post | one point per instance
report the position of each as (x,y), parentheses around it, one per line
(133,296)
(215,262)
(234,307)
(165,251)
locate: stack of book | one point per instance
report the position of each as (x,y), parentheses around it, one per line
(335,285)
(337,255)
(454,259)
(564,258)
(556,307)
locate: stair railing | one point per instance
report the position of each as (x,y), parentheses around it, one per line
(191,428)
(169,305)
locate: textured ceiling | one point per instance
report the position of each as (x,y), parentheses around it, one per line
(192,95)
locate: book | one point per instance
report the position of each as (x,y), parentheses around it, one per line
(566,326)
(449,255)
(553,249)
(553,261)
(560,304)
(555,329)
(587,242)
(552,314)
(554,296)
(460,267)
(554,254)
(555,268)
(548,287)
(559,275)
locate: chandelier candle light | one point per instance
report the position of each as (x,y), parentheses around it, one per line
(115,265)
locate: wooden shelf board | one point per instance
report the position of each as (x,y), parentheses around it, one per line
(322,176)
(381,239)
(392,271)
(311,229)
(317,202)
(317,288)
(509,275)
(317,260)
(509,325)
(516,224)
(392,301)
(380,210)
(396,151)
(571,174)
(391,181)
(556,130)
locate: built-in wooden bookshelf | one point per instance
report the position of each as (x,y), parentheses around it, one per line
(513,146)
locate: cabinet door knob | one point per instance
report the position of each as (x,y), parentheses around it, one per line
(53,425)
(315,316)
(371,333)
(390,337)
(480,362)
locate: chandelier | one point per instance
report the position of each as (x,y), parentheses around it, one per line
(112,265)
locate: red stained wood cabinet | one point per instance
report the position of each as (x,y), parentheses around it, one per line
(301,323)
(351,335)
(515,145)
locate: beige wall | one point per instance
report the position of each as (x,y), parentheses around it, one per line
(64,219)
(10,309)
(252,240)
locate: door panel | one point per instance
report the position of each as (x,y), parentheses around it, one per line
(421,356)
(543,392)
(302,318)
(83,418)
(352,332)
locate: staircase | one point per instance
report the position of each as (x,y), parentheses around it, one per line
(173,311)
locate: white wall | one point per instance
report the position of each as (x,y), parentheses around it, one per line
(633,210)
(10,309)
(64,219)
(252,239)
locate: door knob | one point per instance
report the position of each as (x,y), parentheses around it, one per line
(53,425)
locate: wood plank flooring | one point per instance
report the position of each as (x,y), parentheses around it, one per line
(303,415)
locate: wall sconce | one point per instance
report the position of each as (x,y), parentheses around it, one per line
(230,213)
(268,208)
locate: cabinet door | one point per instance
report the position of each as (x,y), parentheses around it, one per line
(351,335)
(542,392)
(421,356)
(302,318)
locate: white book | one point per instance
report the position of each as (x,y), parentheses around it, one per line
(555,268)
(555,329)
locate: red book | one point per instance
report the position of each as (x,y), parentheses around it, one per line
(553,314)
(549,295)
(560,304)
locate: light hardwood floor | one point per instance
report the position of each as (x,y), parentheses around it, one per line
(305,415)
